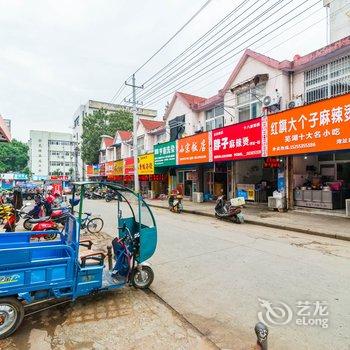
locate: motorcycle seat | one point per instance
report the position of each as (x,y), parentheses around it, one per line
(44,218)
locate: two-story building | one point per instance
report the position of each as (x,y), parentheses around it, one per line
(261,86)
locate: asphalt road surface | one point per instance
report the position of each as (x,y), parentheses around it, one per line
(221,276)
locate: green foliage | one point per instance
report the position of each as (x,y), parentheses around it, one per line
(101,123)
(13,157)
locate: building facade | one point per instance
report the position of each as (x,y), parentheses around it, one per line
(93,106)
(51,153)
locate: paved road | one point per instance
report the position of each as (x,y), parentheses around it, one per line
(125,319)
(214,273)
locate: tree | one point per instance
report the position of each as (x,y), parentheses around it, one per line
(13,157)
(101,123)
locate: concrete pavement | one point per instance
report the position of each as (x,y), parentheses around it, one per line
(214,273)
(305,222)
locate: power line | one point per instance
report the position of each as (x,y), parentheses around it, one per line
(156,99)
(175,35)
(217,47)
(199,40)
(195,43)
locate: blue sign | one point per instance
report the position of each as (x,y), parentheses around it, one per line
(20,176)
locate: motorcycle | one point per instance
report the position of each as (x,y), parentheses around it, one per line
(44,224)
(175,203)
(225,210)
(110,196)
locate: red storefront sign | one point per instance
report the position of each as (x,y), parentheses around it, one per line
(238,141)
(109,168)
(129,166)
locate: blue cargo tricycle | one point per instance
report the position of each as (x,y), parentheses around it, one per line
(69,267)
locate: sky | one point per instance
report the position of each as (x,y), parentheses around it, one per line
(56,55)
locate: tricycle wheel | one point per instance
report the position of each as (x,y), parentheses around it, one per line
(11,316)
(142,277)
(27,225)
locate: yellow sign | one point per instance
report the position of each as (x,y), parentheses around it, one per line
(118,167)
(146,164)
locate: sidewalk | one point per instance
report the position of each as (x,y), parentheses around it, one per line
(315,224)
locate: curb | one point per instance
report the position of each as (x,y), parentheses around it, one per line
(266,224)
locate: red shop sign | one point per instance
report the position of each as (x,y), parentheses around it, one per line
(238,141)
(129,166)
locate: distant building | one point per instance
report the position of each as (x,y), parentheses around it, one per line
(51,153)
(92,106)
(5,134)
(8,124)
(339,18)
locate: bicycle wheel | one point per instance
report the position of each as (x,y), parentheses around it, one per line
(95,225)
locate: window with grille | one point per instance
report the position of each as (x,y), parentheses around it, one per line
(328,80)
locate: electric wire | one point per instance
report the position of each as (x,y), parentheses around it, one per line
(159,97)
(195,43)
(226,42)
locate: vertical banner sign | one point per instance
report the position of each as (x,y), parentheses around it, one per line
(195,149)
(119,167)
(129,166)
(89,170)
(96,169)
(109,169)
(317,127)
(238,141)
(146,164)
(165,154)
(102,169)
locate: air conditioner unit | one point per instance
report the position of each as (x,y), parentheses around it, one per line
(269,101)
(295,103)
(198,128)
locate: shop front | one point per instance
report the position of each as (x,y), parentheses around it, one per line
(145,169)
(165,155)
(239,148)
(316,137)
(193,152)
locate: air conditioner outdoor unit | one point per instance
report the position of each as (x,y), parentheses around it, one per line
(295,103)
(269,101)
(198,128)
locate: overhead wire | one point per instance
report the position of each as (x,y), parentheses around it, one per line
(222,45)
(196,43)
(156,99)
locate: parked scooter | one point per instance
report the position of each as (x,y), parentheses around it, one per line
(175,202)
(225,210)
(111,195)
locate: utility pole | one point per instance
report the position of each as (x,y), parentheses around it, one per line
(134,131)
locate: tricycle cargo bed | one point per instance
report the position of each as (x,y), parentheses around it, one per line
(27,265)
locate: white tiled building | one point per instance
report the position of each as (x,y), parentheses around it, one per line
(51,153)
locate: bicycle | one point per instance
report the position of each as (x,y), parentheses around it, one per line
(93,225)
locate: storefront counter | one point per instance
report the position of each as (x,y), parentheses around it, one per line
(318,199)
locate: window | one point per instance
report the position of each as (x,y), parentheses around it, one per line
(249,104)
(141,145)
(214,118)
(328,80)
(177,127)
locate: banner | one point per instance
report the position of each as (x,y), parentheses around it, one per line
(118,167)
(129,166)
(317,127)
(238,141)
(96,169)
(109,168)
(165,154)
(195,149)
(102,168)
(89,170)
(146,164)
